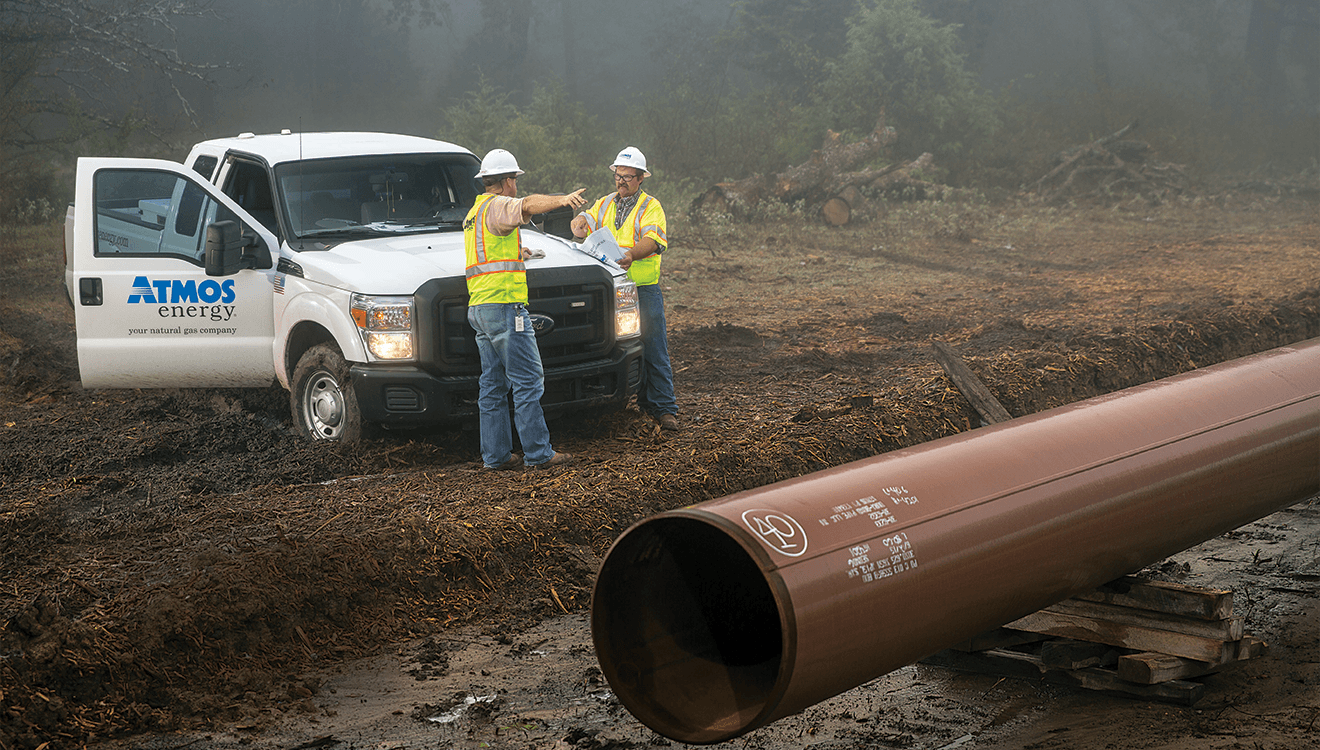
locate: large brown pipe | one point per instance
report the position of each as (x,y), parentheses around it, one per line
(713,620)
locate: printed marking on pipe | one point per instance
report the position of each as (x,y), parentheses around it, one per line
(780,532)
(871,507)
(900,558)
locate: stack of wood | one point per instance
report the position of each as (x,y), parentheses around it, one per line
(828,184)
(1131,637)
(1110,168)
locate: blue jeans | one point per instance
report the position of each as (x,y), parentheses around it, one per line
(509,360)
(656,395)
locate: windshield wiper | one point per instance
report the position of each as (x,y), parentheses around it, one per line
(434,221)
(345,231)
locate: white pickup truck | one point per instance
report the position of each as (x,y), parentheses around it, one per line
(331,263)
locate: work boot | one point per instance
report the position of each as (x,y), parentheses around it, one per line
(668,422)
(513,462)
(559,459)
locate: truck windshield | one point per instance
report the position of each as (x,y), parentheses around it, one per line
(384,193)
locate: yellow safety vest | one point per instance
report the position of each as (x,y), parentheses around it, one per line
(648,220)
(495,270)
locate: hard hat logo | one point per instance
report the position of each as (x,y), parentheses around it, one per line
(631,157)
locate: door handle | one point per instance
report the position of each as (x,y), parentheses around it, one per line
(89,291)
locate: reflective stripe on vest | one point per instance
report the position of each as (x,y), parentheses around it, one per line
(495,270)
(642,272)
(646,271)
(604,204)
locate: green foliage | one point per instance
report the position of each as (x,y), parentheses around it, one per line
(712,135)
(553,138)
(902,61)
(480,118)
(561,141)
(790,42)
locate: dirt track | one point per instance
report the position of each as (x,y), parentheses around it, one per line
(179,562)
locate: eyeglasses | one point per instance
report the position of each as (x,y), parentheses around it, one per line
(626,177)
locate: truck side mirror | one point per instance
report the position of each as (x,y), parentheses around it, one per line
(224,248)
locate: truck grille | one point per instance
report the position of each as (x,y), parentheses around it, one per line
(581,311)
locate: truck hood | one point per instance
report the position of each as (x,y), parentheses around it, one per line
(399,265)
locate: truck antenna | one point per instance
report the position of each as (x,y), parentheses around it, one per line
(302,189)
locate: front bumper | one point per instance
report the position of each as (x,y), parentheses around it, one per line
(407,396)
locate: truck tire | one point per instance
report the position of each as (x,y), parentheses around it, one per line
(322,399)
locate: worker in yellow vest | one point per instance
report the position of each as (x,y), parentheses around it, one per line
(637,221)
(497,311)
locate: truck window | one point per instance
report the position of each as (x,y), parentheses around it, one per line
(421,191)
(145,213)
(249,186)
(205,166)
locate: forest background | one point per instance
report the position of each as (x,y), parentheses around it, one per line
(710,90)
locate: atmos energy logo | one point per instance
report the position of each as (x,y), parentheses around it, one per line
(185,298)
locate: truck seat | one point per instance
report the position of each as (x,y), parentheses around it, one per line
(326,206)
(256,200)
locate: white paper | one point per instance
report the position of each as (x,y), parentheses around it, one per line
(602,242)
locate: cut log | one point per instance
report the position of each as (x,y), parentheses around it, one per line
(836,211)
(847,199)
(805,182)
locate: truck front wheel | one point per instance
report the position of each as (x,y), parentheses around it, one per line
(321,397)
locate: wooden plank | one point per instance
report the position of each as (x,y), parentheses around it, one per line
(1229,629)
(1251,647)
(1148,668)
(1128,636)
(969,385)
(1026,666)
(1182,692)
(1164,596)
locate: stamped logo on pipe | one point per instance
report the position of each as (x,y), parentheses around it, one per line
(780,532)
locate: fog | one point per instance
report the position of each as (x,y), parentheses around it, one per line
(326,64)
(345,65)
(709,89)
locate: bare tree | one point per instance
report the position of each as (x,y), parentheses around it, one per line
(66,66)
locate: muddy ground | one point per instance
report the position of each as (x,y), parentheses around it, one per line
(178,570)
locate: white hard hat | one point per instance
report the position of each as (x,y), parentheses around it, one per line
(499,161)
(631,157)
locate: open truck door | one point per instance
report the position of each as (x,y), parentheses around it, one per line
(148,313)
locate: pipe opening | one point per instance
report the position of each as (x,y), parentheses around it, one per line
(687,629)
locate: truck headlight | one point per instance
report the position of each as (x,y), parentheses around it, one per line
(386,325)
(627,312)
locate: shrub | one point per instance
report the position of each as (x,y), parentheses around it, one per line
(553,138)
(901,60)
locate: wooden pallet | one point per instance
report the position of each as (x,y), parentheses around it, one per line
(1131,637)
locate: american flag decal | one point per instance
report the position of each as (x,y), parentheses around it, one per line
(279,283)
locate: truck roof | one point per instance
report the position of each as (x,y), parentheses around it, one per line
(277,148)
